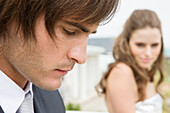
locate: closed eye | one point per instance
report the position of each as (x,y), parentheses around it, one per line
(69,32)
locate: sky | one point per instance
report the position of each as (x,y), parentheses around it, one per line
(126,7)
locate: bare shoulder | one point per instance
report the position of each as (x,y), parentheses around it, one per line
(121,74)
(121,89)
(122,69)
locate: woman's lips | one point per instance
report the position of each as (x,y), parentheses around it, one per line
(147,60)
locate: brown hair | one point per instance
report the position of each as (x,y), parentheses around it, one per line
(121,52)
(25,13)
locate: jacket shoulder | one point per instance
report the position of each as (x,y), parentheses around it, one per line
(49,101)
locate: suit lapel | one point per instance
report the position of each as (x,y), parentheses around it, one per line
(1,111)
(47,101)
(38,104)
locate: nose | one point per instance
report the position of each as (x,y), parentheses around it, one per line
(78,52)
(148,51)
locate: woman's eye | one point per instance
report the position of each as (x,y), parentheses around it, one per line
(155,45)
(140,45)
(69,32)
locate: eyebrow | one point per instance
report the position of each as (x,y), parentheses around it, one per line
(84,29)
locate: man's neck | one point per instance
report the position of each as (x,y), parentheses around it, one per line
(7,68)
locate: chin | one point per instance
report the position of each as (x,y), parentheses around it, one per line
(50,85)
(146,67)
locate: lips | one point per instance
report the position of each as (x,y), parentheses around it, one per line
(146,60)
(62,72)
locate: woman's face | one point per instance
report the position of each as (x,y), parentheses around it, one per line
(145,45)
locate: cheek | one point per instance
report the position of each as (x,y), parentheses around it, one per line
(156,52)
(135,51)
(46,52)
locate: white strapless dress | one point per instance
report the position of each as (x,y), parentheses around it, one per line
(153,104)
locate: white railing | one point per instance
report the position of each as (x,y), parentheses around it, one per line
(79,84)
(84,112)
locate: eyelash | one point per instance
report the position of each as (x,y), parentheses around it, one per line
(154,45)
(142,45)
(69,32)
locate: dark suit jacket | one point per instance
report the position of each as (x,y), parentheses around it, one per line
(1,111)
(46,101)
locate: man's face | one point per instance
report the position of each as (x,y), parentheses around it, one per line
(50,60)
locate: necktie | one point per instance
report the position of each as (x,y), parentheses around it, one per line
(27,105)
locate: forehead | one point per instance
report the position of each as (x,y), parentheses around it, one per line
(147,34)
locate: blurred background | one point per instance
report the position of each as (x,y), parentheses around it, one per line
(78,88)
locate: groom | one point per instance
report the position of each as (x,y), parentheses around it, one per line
(40,41)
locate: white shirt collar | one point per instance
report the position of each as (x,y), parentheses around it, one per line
(28,88)
(11,96)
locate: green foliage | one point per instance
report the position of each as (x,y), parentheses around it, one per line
(166,87)
(167,70)
(166,104)
(71,106)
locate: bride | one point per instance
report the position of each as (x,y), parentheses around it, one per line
(128,84)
